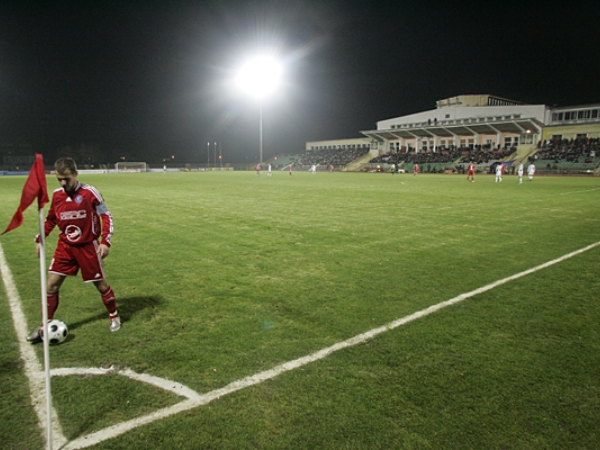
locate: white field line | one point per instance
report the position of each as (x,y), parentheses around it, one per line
(194,399)
(575,192)
(33,369)
(258,378)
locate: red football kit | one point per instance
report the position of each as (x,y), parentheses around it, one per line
(82,218)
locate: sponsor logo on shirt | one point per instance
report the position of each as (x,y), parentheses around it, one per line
(73,215)
(73,233)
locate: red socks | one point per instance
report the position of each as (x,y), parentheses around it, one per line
(108,298)
(52,301)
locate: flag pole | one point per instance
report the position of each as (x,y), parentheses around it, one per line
(45,324)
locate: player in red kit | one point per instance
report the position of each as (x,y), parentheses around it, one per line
(471,172)
(82,218)
(415,170)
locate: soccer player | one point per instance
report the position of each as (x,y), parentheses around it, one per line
(82,217)
(415,170)
(269,173)
(520,173)
(313,169)
(499,170)
(531,171)
(471,172)
(258,169)
(291,168)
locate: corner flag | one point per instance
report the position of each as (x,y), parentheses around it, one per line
(35,186)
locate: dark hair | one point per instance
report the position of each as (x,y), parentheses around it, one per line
(63,164)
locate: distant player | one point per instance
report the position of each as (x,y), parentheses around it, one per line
(83,219)
(520,173)
(471,172)
(415,170)
(330,168)
(531,171)
(313,169)
(269,173)
(258,170)
(499,170)
(393,168)
(291,169)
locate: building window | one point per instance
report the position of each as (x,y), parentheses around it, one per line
(594,113)
(447,116)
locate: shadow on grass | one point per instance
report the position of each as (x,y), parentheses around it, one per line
(129,307)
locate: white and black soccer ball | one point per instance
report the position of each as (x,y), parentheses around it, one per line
(57,331)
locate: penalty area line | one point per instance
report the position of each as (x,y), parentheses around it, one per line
(123,427)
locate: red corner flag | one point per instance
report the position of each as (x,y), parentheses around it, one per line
(35,186)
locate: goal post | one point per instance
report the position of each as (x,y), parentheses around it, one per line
(130,167)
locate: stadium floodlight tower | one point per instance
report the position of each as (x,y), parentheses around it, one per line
(259,77)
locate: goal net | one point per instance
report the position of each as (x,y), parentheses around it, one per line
(130,167)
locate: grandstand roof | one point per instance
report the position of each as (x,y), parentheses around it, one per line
(464,115)
(472,128)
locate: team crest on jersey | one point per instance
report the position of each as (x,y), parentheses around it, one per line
(73,233)
(78,198)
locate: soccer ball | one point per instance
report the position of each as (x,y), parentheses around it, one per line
(57,331)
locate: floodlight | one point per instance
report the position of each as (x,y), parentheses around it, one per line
(259,76)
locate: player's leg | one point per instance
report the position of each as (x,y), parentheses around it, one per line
(52,294)
(92,270)
(110,302)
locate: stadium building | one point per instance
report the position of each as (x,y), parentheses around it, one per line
(468,126)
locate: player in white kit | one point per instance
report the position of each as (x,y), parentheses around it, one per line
(499,173)
(531,171)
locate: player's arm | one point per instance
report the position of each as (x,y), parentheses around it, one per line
(107,228)
(49,224)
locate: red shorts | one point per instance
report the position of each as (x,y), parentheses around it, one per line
(68,259)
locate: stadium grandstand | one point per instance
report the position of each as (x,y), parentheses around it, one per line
(485,129)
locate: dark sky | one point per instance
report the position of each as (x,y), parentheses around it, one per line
(152,78)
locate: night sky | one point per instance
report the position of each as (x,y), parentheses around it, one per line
(153,79)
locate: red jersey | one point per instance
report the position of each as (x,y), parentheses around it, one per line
(471,168)
(416,169)
(81,218)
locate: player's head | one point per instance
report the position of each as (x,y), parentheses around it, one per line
(66,173)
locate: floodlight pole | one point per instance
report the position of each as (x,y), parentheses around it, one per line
(260,134)
(215,154)
(208,155)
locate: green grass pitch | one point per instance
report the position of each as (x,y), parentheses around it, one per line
(223,275)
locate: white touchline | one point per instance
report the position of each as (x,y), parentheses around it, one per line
(194,400)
